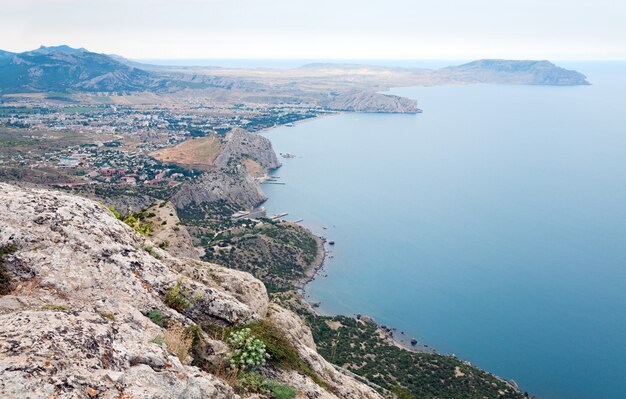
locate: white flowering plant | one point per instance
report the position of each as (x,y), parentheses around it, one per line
(248,351)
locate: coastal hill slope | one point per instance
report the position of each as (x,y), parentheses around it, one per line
(89,308)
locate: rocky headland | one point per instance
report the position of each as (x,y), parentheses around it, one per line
(359,101)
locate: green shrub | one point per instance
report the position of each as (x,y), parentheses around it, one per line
(402,393)
(149,249)
(109,316)
(250,382)
(178,298)
(7,249)
(248,350)
(282,352)
(133,220)
(115,212)
(281,391)
(5,277)
(156,317)
(139,226)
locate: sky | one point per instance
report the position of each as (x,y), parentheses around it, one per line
(321,29)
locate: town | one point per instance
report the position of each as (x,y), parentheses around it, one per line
(70,145)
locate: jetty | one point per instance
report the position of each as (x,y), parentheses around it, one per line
(278,216)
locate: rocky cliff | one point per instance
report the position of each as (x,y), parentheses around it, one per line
(240,144)
(360,101)
(73,321)
(230,181)
(234,187)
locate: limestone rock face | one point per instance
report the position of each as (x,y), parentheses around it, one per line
(235,187)
(82,283)
(167,229)
(74,323)
(242,144)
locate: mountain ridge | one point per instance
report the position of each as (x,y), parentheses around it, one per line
(62,68)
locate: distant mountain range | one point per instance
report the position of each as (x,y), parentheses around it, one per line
(62,69)
(67,69)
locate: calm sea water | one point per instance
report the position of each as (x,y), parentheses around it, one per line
(492,226)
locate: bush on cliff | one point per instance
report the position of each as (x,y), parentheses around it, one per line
(5,277)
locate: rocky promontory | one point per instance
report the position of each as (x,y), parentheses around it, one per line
(362,101)
(240,144)
(230,180)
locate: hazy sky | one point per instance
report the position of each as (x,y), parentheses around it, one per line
(330,29)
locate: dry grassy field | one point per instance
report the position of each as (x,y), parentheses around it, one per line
(197,153)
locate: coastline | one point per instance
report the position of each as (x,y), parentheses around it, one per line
(314,270)
(390,334)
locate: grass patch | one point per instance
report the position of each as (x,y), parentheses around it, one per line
(109,316)
(255,383)
(178,298)
(156,317)
(149,249)
(178,340)
(137,221)
(58,308)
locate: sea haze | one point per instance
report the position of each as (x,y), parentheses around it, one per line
(492,226)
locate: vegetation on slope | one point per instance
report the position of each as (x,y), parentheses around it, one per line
(5,277)
(359,346)
(277,253)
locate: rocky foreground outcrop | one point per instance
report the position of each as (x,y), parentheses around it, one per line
(81,283)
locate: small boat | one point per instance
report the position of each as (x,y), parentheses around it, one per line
(331,243)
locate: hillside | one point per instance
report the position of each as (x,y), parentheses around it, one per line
(62,69)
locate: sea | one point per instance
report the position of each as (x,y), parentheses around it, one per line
(492,226)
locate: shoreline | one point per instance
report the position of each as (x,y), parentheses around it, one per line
(390,334)
(317,266)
